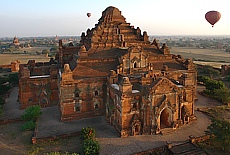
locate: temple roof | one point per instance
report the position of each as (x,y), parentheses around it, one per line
(112,31)
(111,14)
(92,71)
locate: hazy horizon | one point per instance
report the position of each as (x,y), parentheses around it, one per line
(27,18)
(64,36)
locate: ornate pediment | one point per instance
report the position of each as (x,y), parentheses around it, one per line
(135,59)
(163,86)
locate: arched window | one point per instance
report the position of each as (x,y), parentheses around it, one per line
(76,94)
(96,93)
(134,105)
(96,106)
(123,43)
(134,65)
(78,107)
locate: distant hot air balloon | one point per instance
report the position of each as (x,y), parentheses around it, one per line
(212,17)
(88,14)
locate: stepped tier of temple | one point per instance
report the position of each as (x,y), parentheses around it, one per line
(112,31)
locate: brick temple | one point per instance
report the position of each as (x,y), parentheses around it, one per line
(115,71)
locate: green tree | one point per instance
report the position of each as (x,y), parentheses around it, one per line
(14,79)
(91,147)
(209,71)
(203,79)
(220,133)
(223,95)
(211,84)
(31,113)
(214,84)
(29,125)
(4,88)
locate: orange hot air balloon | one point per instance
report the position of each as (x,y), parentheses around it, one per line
(88,14)
(212,17)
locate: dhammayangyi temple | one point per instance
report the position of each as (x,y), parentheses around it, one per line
(115,71)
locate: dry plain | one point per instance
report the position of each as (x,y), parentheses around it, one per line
(213,57)
(23,58)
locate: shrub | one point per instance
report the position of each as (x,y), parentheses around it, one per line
(91,147)
(29,125)
(31,113)
(88,133)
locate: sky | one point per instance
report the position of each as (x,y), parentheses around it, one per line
(30,18)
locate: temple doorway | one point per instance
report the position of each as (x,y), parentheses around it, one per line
(135,65)
(136,125)
(96,106)
(185,115)
(136,129)
(166,118)
(43,102)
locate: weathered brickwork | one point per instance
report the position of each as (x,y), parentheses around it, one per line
(139,86)
(38,84)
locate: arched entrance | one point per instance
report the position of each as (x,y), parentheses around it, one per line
(136,129)
(166,118)
(135,65)
(185,115)
(136,125)
(96,106)
(43,102)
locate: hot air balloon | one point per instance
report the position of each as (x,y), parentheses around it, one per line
(212,17)
(88,14)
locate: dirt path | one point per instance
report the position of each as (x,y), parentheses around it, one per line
(6,149)
(204,102)
(10,136)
